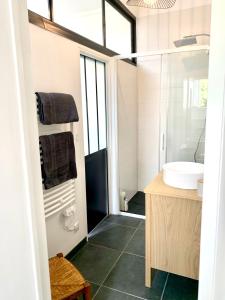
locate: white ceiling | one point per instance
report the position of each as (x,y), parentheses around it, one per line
(179,5)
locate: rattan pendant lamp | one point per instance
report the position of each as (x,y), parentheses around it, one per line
(155,4)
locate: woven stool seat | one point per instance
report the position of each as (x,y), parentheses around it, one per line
(66,280)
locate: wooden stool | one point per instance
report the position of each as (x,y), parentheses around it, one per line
(66,281)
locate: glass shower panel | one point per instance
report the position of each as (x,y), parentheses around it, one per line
(186,79)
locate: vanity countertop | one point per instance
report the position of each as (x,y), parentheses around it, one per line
(158,187)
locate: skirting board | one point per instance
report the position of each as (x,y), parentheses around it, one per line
(76,249)
(126,214)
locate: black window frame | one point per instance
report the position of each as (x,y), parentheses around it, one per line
(50,25)
(117,5)
(85,57)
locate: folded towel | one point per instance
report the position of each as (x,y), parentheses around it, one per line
(56,108)
(58,155)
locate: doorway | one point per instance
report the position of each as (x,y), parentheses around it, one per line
(93,84)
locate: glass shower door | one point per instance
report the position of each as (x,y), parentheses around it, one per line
(183,106)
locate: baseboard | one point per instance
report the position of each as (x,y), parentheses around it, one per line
(127,214)
(74,251)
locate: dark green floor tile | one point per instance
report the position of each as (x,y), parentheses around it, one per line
(112,235)
(137,244)
(181,288)
(94,262)
(137,204)
(94,288)
(107,294)
(136,209)
(142,225)
(122,220)
(129,276)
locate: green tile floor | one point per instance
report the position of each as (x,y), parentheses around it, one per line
(113,262)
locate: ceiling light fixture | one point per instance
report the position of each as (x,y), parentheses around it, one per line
(154,4)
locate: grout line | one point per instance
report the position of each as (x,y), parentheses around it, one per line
(116,261)
(139,226)
(99,224)
(89,236)
(96,290)
(134,227)
(113,223)
(123,292)
(164,287)
(138,255)
(102,246)
(118,250)
(82,248)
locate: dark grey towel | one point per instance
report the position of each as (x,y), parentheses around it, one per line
(56,108)
(58,155)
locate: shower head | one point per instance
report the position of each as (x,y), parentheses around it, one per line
(186,41)
(189,40)
(153,4)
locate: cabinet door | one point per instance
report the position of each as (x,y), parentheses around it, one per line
(175,235)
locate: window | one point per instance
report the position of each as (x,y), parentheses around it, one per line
(198,89)
(118,30)
(93,104)
(41,7)
(83,17)
(106,26)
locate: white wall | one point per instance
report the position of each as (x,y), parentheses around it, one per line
(149,70)
(212,262)
(127,128)
(56,68)
(24,265)
(160,30)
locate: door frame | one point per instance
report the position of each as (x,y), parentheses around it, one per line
(212,262)
(23,232)
(212,265)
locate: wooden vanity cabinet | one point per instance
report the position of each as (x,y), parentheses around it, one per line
(173,225)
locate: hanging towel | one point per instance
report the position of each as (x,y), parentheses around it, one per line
(56,108)
(58,155)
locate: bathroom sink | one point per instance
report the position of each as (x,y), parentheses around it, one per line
(183,175)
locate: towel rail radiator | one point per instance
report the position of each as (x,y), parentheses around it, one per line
(60,196)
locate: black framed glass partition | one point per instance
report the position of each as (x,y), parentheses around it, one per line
(83,17)
(106,26)
(93,85)
(118,30)
(41,7)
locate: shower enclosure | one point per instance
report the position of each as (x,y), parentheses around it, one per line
(184,101)
(161,113)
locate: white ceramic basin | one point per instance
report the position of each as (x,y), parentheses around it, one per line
(183,175)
